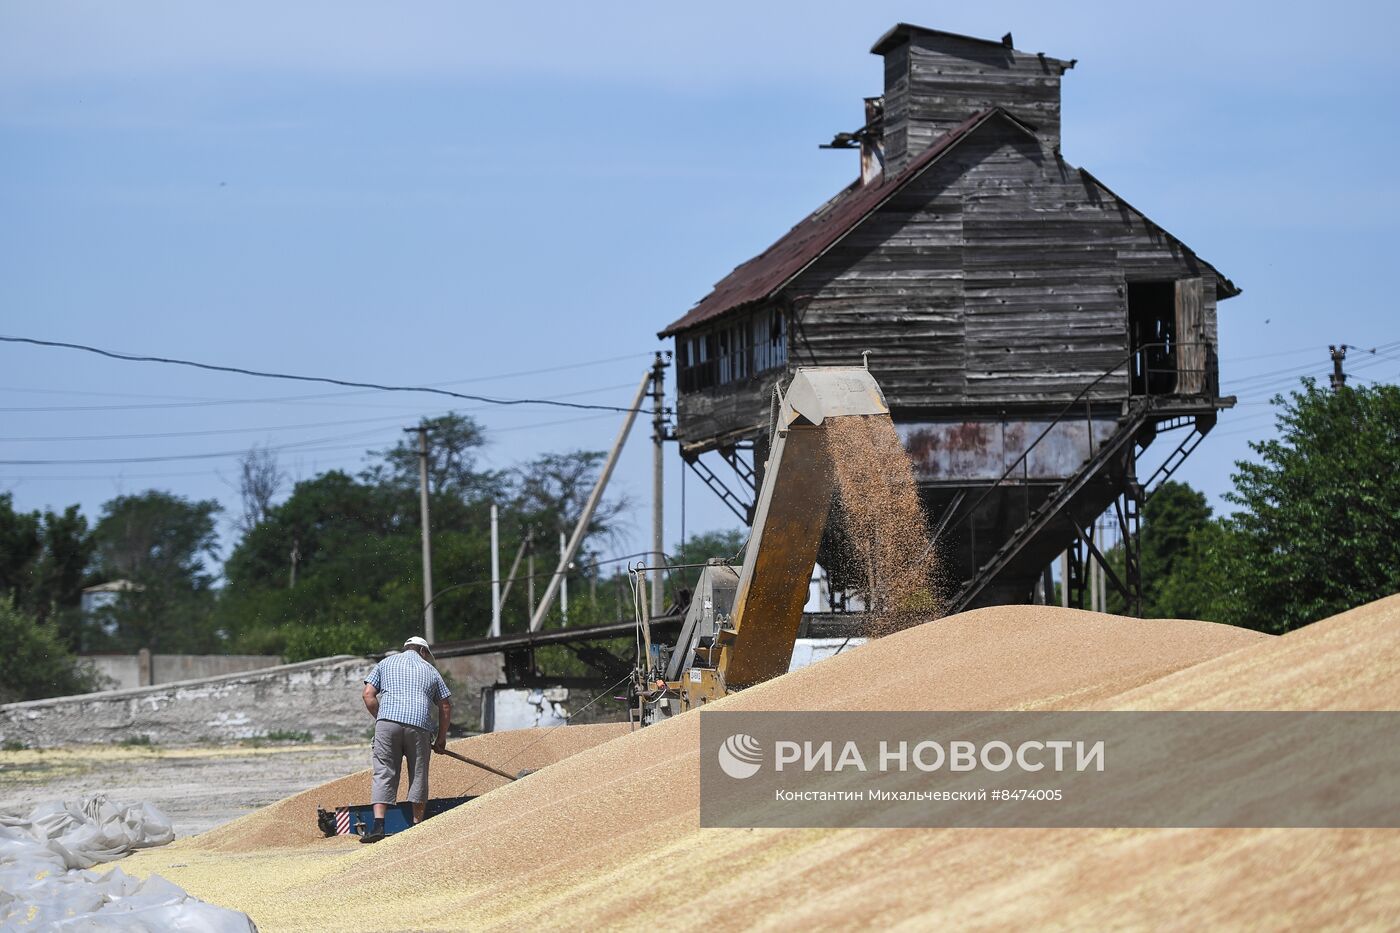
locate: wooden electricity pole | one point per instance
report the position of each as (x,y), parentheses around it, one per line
(658,474)
(530,569)
(571,546)
(495,573)
(429,630)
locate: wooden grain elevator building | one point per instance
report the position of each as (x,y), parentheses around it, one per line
(1033,331)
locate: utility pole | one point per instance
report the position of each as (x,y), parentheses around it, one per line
(1339,355)
(530,569)
(1064,579)
(495,574)
(429,630)
(1094,569)
(1103,576)
(658,476)
(581,527)
(296,556)
(563,579)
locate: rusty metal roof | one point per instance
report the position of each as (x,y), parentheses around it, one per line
(761,277)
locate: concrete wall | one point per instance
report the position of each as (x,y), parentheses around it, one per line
(320,697)
(466,676)
(126,671)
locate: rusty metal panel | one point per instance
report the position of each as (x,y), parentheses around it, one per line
(954,451)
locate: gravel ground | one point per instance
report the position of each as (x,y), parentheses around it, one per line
(198,788)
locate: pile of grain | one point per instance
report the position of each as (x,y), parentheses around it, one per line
(610,837)
(292,822)
(882,521)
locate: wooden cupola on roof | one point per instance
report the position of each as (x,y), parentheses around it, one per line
(935,79)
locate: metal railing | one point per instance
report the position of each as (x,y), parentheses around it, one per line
(1141,387)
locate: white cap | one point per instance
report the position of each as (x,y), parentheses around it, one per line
(416,642)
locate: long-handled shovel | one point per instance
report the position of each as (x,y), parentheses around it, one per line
(482,765)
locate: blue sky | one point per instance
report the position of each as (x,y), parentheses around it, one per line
(456,193)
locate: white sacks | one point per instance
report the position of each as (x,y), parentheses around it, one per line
(43,884)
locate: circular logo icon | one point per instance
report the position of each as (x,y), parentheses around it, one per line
(740,756)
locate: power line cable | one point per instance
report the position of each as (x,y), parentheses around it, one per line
(286,427)
(208,433)
(1232,360)
(167,458)
(1265,392)
(296,399)
(187,400)
(119,477)
(1258,381)
(239,453)
(238,370)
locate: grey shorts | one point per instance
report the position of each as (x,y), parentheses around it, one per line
(395,742)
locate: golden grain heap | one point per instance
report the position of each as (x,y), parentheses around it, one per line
(606,835)
(609,836)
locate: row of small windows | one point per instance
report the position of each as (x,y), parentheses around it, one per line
(732,352)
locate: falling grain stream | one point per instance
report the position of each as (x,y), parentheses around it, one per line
(883,520)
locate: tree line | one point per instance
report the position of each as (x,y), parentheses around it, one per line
(334,566)
(1312,531)
(326,565)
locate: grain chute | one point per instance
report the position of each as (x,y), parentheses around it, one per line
(742,623)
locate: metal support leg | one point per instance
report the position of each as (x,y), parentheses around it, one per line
(1101,559)
(741,508)
(1078,572)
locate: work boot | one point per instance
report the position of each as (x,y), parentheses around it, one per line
(374,835)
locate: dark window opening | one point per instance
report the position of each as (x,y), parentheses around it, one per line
(732,352)
(1153,336)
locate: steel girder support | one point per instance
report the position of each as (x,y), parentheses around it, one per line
(742,509)
(1126,578)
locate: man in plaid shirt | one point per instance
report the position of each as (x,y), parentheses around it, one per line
(400,694)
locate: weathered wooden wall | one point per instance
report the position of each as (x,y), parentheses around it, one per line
(725,414)
(995,281)
(995,284)
(933,82)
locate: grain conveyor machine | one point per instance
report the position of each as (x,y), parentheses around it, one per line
(742,623)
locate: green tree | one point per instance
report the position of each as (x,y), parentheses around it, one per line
(20,547)
(1170,519)
(43,563)
(357,565)
(338,551)
(550,492)
(60,572)
(1197,587)
(35,663)
(160,542)
(1315,530)
(356,541)
(697,549)
(454,449)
